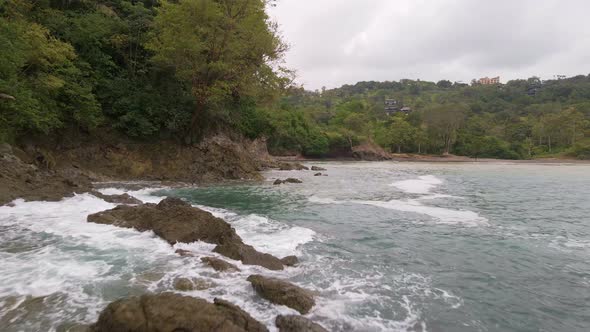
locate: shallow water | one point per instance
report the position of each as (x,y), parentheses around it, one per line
(387,246)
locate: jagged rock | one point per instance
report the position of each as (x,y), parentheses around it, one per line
(370,152)
(292,180)
(292,166)
(317,168)
(317,174)
(248,255)
(219,264)
(185,284)
(174,312)
(177,221)
(277,182)
(290,260)
(117,199)
(294,323)
(185,253)
(283,292)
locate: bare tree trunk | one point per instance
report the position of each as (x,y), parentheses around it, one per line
(549,137)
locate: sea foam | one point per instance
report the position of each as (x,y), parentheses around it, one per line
(423,185)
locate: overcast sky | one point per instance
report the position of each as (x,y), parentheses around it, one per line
(335,42)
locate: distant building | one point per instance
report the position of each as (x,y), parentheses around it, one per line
(489,81)
(393,106)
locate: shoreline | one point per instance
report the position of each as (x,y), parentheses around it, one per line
(437,159)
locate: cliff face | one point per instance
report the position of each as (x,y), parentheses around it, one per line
(36,173)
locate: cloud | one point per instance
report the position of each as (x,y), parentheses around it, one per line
(335,42)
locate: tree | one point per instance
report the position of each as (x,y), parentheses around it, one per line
(224,49)
(443,121)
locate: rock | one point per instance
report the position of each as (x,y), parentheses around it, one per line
(317,168)
(317,174)
(292,166)
(294,323)
(370,152)
(292,180)
(248,255)
(177,221)
(174,312)
(219,264)
(117,199)
(185,253)
(290,260)
(277,181)
(183,284)
(283,292)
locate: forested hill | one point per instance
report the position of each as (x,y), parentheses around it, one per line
(518,120)
(146,69)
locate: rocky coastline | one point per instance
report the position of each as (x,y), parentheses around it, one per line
(39,175)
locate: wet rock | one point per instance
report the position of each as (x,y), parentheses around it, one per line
(186,284)
(177,221)
(292,180)
(283,292)
(317,168)
(294,323)
(292,167)
(248,255)
(219,264)
(117,199)
(277,182)
(317,174)
(185,253)
(290,260)
(174,312)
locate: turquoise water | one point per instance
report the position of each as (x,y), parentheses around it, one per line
(458,247)
(386,246)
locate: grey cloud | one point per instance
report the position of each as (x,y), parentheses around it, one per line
(334,42)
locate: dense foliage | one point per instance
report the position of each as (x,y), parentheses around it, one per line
(145,68)
(519,119)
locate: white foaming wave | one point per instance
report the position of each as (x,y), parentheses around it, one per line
(423,185)
(444,216)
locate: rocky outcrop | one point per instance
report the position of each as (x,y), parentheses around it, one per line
(174,312)
(186,284)
(35,179)
(283,292)
(370,152)
(177,221)
(294,323)
(219,264)
(285,166)
(288,180)
(117,199)
(248,255)
(317,168)
(290,260)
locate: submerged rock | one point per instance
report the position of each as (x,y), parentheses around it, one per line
(219,264)
(317,168)
(277,181)
(290,260)
(317,174)
(292,180)
(174,312)
(248,255)
(283,292)
(177,221)
(117,199)
(186,284)
(292,167)
(294,323)
(185,253)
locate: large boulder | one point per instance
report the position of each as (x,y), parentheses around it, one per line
(283,292)
(173,312)
(177,221)
(117,199)
(294,323)
(317,168)
(290,260)
(370,152)
(172,219)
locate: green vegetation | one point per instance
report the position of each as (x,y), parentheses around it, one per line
(518,120)
(181,69)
